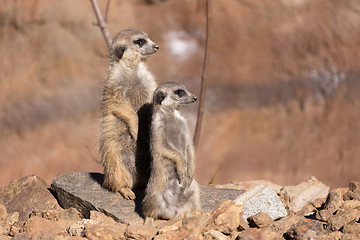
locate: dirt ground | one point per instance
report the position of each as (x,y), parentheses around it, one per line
(282,102)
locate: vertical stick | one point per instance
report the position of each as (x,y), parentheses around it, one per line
(203,76)
(101,23)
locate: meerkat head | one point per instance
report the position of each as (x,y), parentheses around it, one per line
(132,46)
(172,95)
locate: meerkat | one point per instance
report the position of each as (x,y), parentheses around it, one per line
(129,86)
(172,190)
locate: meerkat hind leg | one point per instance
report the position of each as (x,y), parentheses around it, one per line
(149,221)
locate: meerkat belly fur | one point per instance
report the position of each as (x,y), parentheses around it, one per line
(128,88)
(171,191)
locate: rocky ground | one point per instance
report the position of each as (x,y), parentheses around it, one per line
(309,210)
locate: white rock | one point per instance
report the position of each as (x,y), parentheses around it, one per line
(261,199)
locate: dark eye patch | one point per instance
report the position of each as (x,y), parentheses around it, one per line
(180,92)
(141,42)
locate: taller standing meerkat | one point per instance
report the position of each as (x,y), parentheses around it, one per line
(129,86)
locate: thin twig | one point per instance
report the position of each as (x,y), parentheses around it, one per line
(203,76)
(106,10)
(101,23)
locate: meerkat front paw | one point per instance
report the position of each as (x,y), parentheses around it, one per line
(183,180)
(127,193)
(134,133)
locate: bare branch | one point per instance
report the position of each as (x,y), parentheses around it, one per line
(203,76)
(101,23)
(106,11)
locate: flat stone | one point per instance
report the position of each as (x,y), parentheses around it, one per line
(84,192)
(261,199)
(25,195)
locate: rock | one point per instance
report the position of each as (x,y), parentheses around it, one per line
(348,236)
(84,192)
(323,215)
(195,226)
(354,187)
(36,224)
(215,235)
(3,213)
(354,191)
(351,196)
(103,227)
(8,223)
(305,229)
(334,200)
(55,215)
(260,220)
(261,199)
(352,228)
(226,218)
(337,221)
(331,236)
(78,228)
(283,225)
(25,195)
(5,237)
(140,231)
(23,236)
(171,225)
(255,233)
(350,204)
(192,228)
(296,197)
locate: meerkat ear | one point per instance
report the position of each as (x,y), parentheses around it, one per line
(119,51)
(160,96)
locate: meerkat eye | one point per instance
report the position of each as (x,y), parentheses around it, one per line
(179,92)
(140,42)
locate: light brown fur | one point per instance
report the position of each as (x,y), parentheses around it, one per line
(171,191)
(128,88)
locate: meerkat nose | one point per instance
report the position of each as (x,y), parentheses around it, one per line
(156,47)
(194,98)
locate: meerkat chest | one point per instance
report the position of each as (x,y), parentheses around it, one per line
(136,95)
(177,131)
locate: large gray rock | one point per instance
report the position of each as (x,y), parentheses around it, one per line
(84,192)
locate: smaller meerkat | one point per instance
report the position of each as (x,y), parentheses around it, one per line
(172,190)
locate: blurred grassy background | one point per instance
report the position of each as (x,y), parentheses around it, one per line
(283,95)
